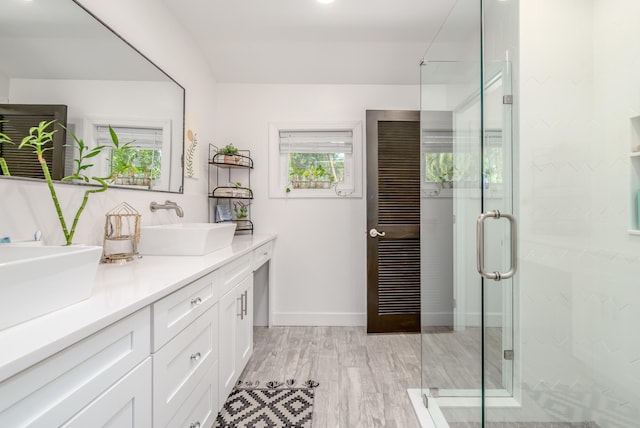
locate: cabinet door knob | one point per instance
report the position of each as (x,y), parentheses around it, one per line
(196,301)
(196,356)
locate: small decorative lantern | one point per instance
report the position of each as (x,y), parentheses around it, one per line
(121,234)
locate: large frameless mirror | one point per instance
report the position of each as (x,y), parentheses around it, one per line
(56,53)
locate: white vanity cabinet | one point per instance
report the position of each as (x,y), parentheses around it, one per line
(168,356)
(236,324)
(93,374)
(262,254)
(186,352)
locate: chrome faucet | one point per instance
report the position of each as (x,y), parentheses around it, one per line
(168,205)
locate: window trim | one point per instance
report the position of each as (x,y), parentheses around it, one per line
(278,166)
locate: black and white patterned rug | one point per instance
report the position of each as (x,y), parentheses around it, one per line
(276,405)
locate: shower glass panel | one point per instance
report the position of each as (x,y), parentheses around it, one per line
(452,186)
(543,123)
(451,294)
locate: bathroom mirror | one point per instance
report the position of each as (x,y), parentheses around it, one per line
(56,52)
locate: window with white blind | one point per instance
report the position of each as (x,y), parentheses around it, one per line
(315,161)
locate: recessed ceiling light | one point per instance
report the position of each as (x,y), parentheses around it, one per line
(326,1)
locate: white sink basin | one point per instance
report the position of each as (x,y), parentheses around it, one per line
(35,280)
(185,239)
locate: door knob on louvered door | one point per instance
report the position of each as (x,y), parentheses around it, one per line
(374,233)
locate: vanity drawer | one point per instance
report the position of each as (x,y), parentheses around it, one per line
(52,391)
(201,405)
(262,254)
(125,404)
(179,309)
(181,363)
(232,273)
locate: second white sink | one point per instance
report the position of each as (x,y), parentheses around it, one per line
(185,239)
(35,280)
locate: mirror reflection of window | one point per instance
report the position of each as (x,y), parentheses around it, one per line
(138,162)
(113,80)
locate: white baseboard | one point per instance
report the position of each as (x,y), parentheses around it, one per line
(337,319)
(356,319)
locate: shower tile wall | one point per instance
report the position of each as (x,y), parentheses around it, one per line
(579,285)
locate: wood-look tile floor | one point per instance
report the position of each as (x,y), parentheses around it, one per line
(452,359)
(363,378)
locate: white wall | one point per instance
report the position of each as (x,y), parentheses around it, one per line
(320,262)
(148,26)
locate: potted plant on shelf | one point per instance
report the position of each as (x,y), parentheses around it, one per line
(231,154)
(40,140)
(241,213)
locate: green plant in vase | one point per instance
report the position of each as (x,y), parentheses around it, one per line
(241,210)
(40,139)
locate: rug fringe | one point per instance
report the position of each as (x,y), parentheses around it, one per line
(275,384)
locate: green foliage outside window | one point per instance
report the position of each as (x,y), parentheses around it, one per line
(315,170)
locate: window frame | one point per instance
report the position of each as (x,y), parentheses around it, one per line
(279,163)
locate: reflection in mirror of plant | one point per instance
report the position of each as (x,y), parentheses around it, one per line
(4,138)
(40,139)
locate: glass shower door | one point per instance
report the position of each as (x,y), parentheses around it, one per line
(467,327)
(467,321)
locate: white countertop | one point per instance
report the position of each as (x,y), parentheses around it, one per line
(118,291)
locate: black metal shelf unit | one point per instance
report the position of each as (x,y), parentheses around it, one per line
(230,200)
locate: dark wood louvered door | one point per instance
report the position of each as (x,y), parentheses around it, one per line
(393,210)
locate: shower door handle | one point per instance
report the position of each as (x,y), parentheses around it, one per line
(497,276)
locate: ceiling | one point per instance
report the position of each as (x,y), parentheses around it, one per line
(303,41)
